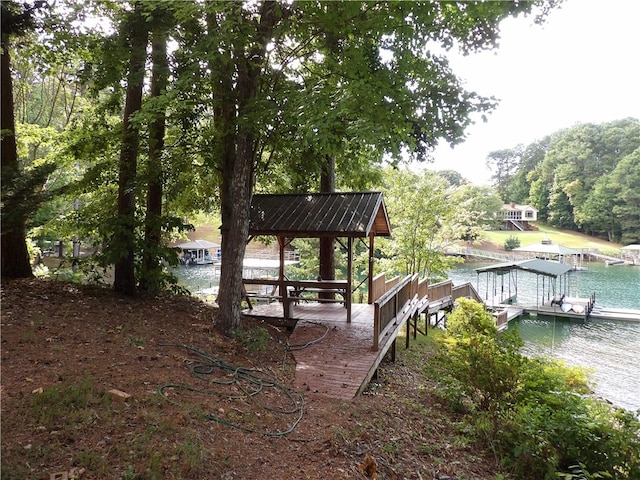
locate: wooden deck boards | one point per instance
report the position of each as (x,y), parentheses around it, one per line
(340,364)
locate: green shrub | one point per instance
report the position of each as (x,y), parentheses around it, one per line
(482,362)
(535,414)
(511,242)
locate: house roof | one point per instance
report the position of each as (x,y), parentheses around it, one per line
(537,266)
(516,207)
(347,214)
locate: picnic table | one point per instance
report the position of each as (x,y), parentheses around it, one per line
(296,291)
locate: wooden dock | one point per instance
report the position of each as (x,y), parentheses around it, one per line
(616,314)
(333,358)
(513,311)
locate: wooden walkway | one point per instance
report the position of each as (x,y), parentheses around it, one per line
(333,358)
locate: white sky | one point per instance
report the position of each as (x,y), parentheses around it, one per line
(581,66)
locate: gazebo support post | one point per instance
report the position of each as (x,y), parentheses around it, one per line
(282,243)
(349,276)
(370,298)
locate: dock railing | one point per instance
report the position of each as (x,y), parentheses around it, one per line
(422,291)
(378,286)
(411,297)
(474,252)
(502,318)
(381,285)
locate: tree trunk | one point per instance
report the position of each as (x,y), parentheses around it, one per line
(235,236)
(15,257)
(327,267)
(153,226)
(124,237)
(237,179)
(224,156)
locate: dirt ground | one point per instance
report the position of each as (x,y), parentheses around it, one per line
(193,404)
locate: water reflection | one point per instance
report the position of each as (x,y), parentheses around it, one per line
(198,278)
(609,349)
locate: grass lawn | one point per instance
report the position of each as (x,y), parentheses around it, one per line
(566,238)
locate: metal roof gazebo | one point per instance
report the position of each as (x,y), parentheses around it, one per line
(347,215)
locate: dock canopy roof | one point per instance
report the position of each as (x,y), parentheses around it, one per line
(548,248)
(352,214)
(539,267)
(198,245)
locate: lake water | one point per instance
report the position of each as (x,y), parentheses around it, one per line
(609,349)
(198,277)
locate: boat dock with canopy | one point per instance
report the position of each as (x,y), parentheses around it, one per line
(199,252)
(631,254)
(552,288)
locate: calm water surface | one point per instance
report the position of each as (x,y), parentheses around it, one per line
(197,277)
(610,349)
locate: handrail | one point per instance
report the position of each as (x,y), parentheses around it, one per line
(394,307)
(466,290)
(440,290)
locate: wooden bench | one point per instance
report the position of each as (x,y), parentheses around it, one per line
(248,296)
(298,295)
(258,295)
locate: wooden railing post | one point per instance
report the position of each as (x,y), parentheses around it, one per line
(376,325)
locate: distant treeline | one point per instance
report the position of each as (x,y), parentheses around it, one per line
(585,178)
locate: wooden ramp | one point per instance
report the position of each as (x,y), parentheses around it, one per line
(333,358)
(514,312)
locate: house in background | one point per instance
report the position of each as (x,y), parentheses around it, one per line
(518,217)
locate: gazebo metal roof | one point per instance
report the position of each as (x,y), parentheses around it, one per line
(347,215)
(350,214)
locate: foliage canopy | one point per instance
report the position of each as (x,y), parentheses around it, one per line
(582,178)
